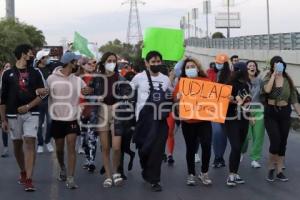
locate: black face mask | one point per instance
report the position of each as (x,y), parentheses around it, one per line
(75,68)
(155,68)
(30,62)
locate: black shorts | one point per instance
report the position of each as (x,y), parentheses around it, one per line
(60,129)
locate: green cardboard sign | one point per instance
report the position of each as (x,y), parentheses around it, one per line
(169,42)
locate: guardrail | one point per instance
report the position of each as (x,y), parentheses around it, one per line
(282,41)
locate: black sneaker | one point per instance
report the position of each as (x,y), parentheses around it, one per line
(218,163)
(165,158)
(123,176)
(171,160)
(85,166)
(231,181)
(91,168)
(102,170)
(238,179)
(270,176)
(156,187)
(282,177)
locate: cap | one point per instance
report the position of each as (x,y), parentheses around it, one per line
(68,57)
(42,53)
(222,58)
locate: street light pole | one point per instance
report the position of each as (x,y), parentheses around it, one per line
(268,17)
(206,5)
(228,12)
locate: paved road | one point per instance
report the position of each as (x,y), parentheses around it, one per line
(256,188)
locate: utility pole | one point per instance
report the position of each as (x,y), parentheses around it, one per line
(206,13)
(268,17)
(134,30)
(189,33)
(10,9)
(195,27)
(228,13)
(195,15)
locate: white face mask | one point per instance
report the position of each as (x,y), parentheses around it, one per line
(219,66)
(110,67)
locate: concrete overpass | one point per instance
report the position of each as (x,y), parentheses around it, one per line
(260,48)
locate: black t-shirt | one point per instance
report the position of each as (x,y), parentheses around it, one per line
(24,94)
(18,88)
(237,88)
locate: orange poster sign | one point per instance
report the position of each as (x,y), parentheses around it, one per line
(203,100)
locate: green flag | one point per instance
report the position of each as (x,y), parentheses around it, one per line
(81,44)
(169,42)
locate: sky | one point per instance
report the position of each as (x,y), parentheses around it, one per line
(104,20)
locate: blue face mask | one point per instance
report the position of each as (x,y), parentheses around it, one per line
(48,61)
(279,68)
(191,73)
(219,66)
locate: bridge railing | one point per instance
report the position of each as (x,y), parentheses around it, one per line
(282,41)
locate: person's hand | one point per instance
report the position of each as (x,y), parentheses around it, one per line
(172,75)
(87,90)
(231,99)
(23,109)
(252,121)
(42,91)
(5,126)
(178,96)
(239,100)
(274,74)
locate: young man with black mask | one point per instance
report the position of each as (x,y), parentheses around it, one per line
(65,89)
(19,110)
(151,128)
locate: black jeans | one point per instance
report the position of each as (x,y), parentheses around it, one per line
(5,138)
(277,123)
(43,108)
(151,161)
(236,131)
(193,133)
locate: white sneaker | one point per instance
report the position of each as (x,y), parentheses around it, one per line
(197,158)
(255,164)
(205,179)
(40,149)
(81,151)
(242,158)
(191,180)
(50,147)
(5,152)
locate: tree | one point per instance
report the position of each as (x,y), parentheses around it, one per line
(13,33)
(217,35)
(131,53)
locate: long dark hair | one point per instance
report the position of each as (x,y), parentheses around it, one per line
(201,72)
(101,64)
(256,66)
(240,75)
(225,73)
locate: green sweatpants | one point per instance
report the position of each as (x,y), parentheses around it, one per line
(256,133)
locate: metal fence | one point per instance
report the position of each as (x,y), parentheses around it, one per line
(282,41)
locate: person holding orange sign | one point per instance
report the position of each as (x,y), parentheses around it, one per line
(195,129)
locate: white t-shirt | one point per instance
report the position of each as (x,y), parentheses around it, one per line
(141,84)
